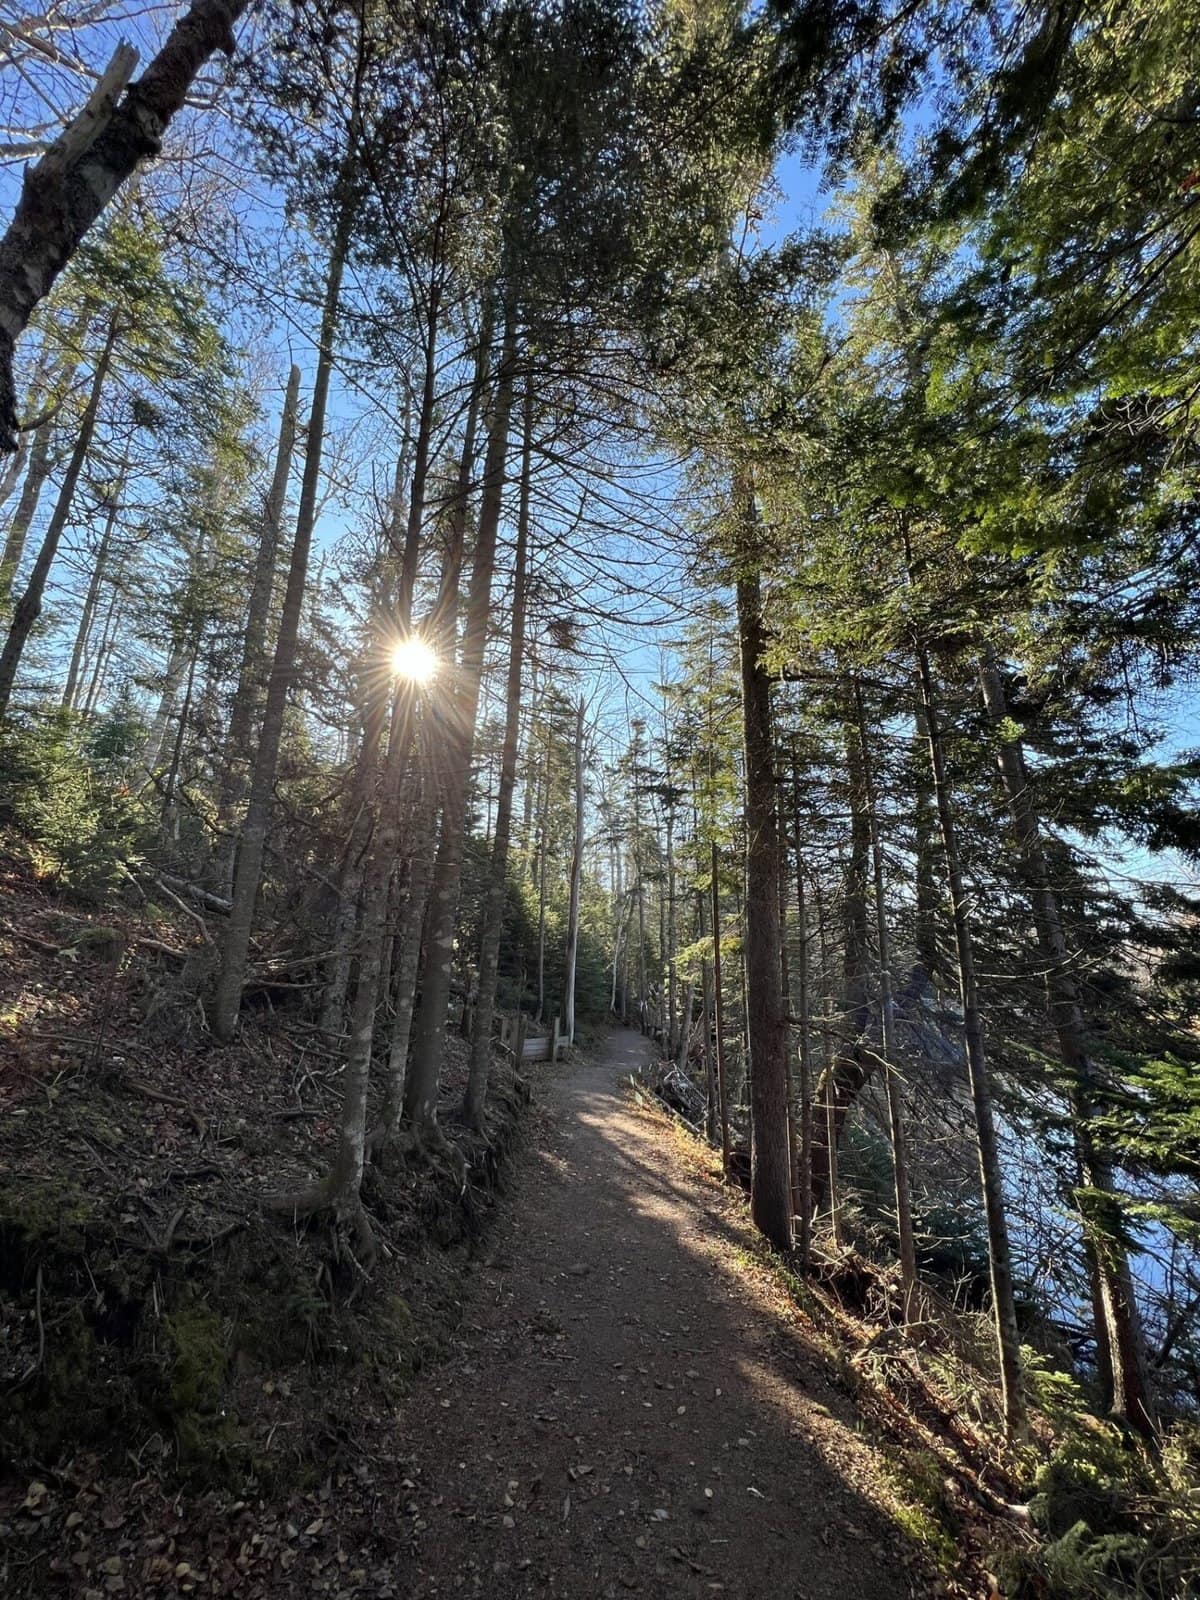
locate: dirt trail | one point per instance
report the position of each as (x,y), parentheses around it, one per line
(622,1416)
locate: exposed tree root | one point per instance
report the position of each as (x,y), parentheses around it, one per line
(349,1219)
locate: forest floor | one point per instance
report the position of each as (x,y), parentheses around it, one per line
(633,1406)
(619,1394)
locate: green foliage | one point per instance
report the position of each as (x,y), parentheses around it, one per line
(64,788)
(1120,1523)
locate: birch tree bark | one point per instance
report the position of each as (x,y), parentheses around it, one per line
(65,192)
(29,607)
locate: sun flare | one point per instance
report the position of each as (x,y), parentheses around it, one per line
(413,660)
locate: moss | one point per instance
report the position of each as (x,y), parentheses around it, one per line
(1088,1479)
(197,1352)
(195,1336)
(396,1357)
(920,1508)
(42,1213)
(105,944)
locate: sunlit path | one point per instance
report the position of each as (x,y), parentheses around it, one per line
(622,1416)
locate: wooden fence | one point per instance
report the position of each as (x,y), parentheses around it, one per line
(514,1036)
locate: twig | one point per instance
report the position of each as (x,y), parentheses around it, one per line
(187,910)
(41,1328)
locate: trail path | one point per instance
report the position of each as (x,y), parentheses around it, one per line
(625,1413)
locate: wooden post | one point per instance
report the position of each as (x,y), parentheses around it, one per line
(555,1040)
(519,1047)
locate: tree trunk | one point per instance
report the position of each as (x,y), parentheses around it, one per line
(170,814)
(29,607)
(437,955)
(719,1013)
(668,943)
(95,585)
(711,1112)
(904,1223)
(830,1153)
(991,1182)
(804,1195)
(1118,1331)
(16,466)
(770,1177)
(543,829)
(408,958)
(345,1181)
(497,879)
(112,623)
(576,882)
(40,465)
(62,196)
(226,1000)
(441,629)
(252,671)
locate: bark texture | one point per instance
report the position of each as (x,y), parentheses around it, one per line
(576,883)
(461,710)
(29,607)
(493,909)
(65,192)
(770,1174)
(226,1001)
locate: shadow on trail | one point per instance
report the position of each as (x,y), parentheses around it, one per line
(627,1413)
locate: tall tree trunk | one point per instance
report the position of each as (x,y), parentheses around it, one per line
(345,1181)
(227,996)
(999,1252)
(804,1194)
(112,623)
(928,902)
(497,878)
(172,678)
(719,1012)
(70,186)
(770,1176)
(41,463)
(441,630)
(437,955)
(170,813)
(543,866)
(640,890)
(576,882)
(408,958)
(95,585)
(711,1111)
(29,607)
(668,942)
(1119,1333)
(887,1028)
(11,475)
(252,671)
(829,1154)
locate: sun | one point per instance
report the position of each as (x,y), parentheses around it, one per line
(414,661)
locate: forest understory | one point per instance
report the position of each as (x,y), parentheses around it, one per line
(203,1398)
(162,1328)
(548,542)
